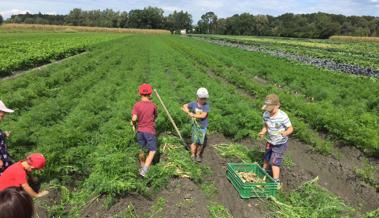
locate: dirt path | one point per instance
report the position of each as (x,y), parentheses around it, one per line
(336,172)
(181,198)
(227,195)
(184,198)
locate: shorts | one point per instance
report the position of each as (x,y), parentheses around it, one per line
(147,141)
(198,135)
(275,153)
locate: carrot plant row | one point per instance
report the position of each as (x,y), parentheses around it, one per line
(343,107)
(20,51)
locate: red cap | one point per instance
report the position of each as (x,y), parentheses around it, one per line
(145,89)
(36,160)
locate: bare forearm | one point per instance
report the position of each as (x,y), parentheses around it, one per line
(263,130)
(134,118)
(185,108)
(30,191)
(288,132)
(200,116)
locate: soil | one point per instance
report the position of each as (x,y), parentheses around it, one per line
(335,173)
(184,198)
(227,195)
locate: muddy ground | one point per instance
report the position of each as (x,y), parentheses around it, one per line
(184,198)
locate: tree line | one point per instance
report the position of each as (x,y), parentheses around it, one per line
(147,18)
(314,25)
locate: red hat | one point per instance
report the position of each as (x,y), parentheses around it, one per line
(145,89)
(36,160)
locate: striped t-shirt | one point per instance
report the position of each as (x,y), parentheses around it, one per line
(275,125)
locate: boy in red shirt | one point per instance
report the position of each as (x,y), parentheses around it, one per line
(145,113)
(16,174)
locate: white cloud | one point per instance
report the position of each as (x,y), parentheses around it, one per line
(208,4)
(8,13)
(51,13)
(169,9)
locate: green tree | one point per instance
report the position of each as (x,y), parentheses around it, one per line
(123,20)
(1,19)
(246,24)
(221,26)
(208,23)
(261,25)
(178,21)
(149,18)
(74,17)
(326,27)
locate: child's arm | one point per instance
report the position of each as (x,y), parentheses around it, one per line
(186,109)
(134,121)
(288,132)
(263,132)
(32,193)
(289,129)
(201,115)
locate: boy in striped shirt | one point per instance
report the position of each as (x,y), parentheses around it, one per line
(278,127)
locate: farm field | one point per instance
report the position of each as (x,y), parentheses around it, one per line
(348,54)
(78,114)
(20,51)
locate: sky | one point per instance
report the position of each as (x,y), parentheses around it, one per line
(223,8)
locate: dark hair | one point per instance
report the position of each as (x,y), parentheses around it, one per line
(15,203)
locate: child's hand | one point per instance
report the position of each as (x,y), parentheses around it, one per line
(43,193)
(261,135)
(191,114)
(1,164)
(283,133)
(7,134)
(134,127)
(268,145)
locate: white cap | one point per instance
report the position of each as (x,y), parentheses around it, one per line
(202,93)
(4,108)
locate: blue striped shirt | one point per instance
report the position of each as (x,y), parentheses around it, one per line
(275,125)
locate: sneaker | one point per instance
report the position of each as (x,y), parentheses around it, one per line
(279,184)
(198,159)
(142,172)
